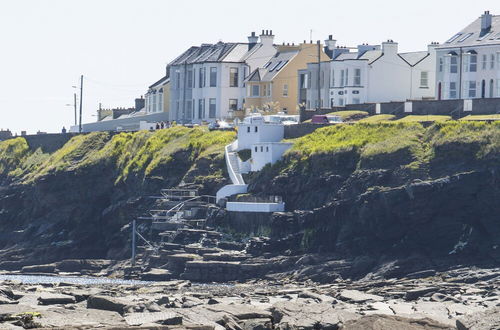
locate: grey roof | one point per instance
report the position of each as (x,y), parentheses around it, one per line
(160,82)
(413,58)
(371,55)
(219,52)
(273,66)
(346,56)
(493,37)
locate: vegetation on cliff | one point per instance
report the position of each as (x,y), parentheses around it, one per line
(136,154)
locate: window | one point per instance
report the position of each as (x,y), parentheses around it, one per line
(189,105)
(498,87)
(492,61)
(309,80)
(154,102)
(342,77)
(267,148)
(256,129)
(190,79)
(453,90)
(472,88)
(473,63)
(440,64)
(341,101)
(485,61)
(233,77)
(255,147)
(201,78)
(285,90)
(485,36)
(233,104)
(464,37)
(424,79)
(303,80)
(498,61)
(261,149)
(281,65)
(211,108)
(248,131)
(201,108)
(346,77)
(455,37)
(264,90)
(332,79)
(275,66)
(160,101)
(213,77)
(357,77)
(255,90)
(453,64)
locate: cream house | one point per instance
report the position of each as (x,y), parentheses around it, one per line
(273,87)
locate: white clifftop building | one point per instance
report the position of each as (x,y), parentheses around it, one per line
(207,81)
(468,64)
(369,74)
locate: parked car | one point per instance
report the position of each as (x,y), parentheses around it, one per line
(326,119)
(221,126)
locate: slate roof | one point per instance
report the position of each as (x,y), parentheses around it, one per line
(219,52)
(160,82)
(492,36)
(273,66)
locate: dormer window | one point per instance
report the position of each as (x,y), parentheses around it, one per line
(465,37)
(455,37)
(485,36)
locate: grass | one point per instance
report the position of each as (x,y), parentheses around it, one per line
(377,118)
(350,115)
(482,117)
(137,154)
(423,118)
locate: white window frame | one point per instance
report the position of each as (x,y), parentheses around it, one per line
(357,77)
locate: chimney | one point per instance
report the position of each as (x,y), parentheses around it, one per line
(267,38)
(139,104)
(390,47)
(432,46)
(330,46)
(366,47)
(252,40)
(486,22)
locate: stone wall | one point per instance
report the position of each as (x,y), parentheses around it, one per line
(48,142)
(454,108)
(295,131)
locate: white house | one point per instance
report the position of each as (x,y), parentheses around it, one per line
(255,130)
(207,81)
(267,153)
(468,64)
(368,74)
(156,99)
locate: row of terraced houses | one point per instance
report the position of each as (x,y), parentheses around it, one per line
(226,80)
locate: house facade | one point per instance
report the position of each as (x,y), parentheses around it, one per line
(468,64)
(367,74)
(208,81)
(272,87)
(157,99)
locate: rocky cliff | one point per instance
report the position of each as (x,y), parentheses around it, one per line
(391,191)
(74,202)
(366,191)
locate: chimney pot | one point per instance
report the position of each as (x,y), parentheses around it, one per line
(270,32)
(330,37)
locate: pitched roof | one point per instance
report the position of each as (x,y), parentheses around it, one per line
(277,63)
(160,82)
(413,58)
(475,36)
(219,52)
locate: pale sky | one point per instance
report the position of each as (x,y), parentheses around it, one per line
(123,46)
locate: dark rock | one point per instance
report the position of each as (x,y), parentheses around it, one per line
(106,303)
(53,299)
(156,274)
(419,292)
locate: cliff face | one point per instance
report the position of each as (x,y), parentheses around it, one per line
(391,190)
(73,203)
(365,190)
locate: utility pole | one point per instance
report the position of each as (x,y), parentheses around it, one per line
(81,100)
(133,242)
(319,72)
(76,122)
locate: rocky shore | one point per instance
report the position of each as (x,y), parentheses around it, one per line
(458,299)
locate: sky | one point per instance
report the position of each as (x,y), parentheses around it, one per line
(123,46)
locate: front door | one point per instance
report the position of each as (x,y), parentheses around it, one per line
(439,91)
(491,87)
(483,89)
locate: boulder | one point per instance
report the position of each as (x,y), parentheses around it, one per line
(106,303)
(486,320)
(414,294)
(164,318)
(290,315)
(54,299)
(387,322)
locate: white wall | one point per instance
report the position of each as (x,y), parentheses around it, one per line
(267,153)
(265,133)
(255,207)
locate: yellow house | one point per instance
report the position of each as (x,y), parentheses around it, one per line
(274,87)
